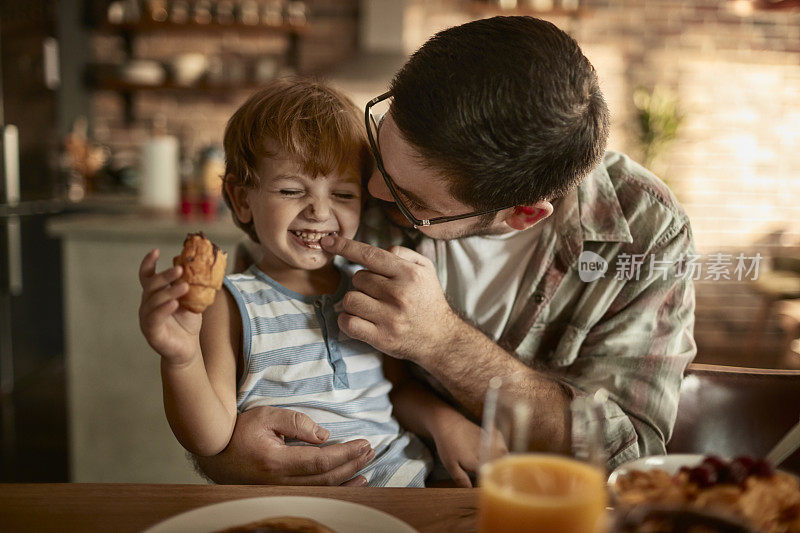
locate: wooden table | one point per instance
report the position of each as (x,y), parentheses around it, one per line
(133,507)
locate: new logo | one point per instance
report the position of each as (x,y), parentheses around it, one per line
(591,266)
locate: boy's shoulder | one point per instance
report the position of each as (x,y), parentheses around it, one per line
(253,286)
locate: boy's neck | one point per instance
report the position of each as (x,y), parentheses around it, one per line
(324,280)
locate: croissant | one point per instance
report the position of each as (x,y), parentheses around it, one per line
(203,269)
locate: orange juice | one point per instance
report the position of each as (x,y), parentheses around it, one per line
(541,493)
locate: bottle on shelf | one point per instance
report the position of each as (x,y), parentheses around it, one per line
(223,12)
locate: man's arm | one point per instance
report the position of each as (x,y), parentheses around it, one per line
(398,307)
(467,363)
(638,352)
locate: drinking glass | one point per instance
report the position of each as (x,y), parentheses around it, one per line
(524,485)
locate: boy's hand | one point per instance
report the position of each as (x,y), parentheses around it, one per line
(171,330)
(458,442)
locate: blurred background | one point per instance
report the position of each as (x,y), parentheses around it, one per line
(113,114)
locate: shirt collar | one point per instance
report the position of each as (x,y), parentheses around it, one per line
(600,212)
(590,212)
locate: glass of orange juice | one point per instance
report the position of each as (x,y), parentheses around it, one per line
(526,483)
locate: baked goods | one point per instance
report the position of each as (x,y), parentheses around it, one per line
(769,500)
(670,519)
(281,524)
(203,269)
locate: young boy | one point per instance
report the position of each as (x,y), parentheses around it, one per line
(296,159)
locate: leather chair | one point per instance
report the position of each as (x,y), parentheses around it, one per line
(730,411)
(780,282)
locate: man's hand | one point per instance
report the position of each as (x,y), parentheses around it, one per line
(398,306)
(257,454)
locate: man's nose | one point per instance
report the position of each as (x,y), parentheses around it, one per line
(377,187)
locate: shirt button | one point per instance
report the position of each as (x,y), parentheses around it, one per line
(538,297)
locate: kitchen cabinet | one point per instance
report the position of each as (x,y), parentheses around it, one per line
(117,428)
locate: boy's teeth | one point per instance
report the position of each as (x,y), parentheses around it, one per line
(311,236)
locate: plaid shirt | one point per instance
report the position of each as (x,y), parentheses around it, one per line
(629,331)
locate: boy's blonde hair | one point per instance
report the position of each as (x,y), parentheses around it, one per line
(314,123)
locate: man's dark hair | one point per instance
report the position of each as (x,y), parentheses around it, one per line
(508,109)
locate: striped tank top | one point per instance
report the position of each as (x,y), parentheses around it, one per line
(296,358)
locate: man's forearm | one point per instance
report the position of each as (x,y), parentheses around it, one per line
(469,359)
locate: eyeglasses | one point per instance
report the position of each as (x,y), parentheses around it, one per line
(372,136)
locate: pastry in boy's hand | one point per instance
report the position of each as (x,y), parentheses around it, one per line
(203,269)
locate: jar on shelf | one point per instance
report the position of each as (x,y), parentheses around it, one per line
(272,13)
(296,13)
(179,11)
(247,13)
(223,12)
(201,14)
(157,10)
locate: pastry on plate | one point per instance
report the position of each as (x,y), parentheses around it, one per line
(281,524)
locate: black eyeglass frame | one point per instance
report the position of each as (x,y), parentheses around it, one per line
(373,144)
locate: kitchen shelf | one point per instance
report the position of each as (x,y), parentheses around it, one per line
(123,86)
(487,9)
(152,26)
(292,33)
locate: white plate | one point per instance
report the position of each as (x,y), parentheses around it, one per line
(341,516)
(668,463)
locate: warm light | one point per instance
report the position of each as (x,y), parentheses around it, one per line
(742,8)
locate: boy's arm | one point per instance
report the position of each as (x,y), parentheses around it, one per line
(420,411)
(201,415)
(200,395)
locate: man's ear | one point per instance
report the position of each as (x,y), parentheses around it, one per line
(238,197)
(524,216)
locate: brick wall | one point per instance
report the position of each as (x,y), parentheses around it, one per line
(735,165)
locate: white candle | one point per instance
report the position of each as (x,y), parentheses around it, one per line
(160,186)
(11,163)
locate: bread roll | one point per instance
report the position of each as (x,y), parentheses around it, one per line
(281,524)
(203,269)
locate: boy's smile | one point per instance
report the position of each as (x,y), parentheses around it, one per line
(291,211)
(310,237)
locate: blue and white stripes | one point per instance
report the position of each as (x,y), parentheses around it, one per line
(296,358)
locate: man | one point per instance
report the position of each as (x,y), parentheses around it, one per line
(544,244)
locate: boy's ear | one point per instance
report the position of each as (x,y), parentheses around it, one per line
(238,197)
(525,216)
